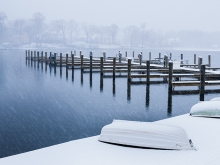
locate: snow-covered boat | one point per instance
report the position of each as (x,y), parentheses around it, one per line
(146,135)
(206,109)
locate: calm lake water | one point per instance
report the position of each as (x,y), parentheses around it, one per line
(41,106)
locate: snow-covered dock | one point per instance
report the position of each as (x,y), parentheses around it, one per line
(203,132)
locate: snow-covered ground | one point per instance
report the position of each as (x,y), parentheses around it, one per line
(204,133)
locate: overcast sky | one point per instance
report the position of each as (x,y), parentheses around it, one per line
(157,14)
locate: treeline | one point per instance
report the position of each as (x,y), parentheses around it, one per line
(70,32)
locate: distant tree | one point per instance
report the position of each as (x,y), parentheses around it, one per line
(143,34)
(19,28)
(39,26)
(3,17)
(73,29)
(113,30)
(59,29)
(131,34)
(89,30)
(30,30)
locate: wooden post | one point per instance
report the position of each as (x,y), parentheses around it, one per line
(181,59)
(42,53)
(34,55)
(81,57)
(202,82)
(28,54)
(104,56)
(209,60)
(170,88)
(166,61)
(148,71)
(149,56)
(90,55)
(72,55)
(61,59)
(140,59)
(55,59)
(101,65)
(170,56)
(199,62)
(80,53)
(133,54)
(129,70)
(46,57)
(37,55)
(126,54)
(31,55)
(119,56)
(114,63)
(159,55)
(194,58)
(67,60)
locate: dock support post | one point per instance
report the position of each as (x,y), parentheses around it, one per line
(101,67)
(199,62)
(126,54)
(61,59)
(149,56)
(55,59)
(129,70)
(140,58)
(42,54)
(80,53)
(133,54)
(119,56)
(170,56)
(31,56)
(34,55)
(170,88)
(46,57)
(159,55)
(37,55)
(90,56)
(194,58)
(181,59)
(67,60)
(148,71)
(202,82)
(114,63)
(209,60)
(104,55)
(72,55)
(28,54)
(81,57)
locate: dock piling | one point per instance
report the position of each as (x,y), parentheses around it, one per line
(90,56)
(170,85)
(67,60)
(129,70)
(148,71)
(114,63)
(194,58)
(101,65)
(209,60)
(61,59)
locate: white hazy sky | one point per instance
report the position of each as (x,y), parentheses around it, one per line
(157,14)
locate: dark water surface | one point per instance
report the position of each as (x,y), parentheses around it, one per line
(41,106)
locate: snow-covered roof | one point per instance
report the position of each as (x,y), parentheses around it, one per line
(203,132)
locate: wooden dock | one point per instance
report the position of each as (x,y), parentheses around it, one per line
(146,70)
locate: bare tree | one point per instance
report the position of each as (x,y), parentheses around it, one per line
(73,29)
(143,34)
(3,17)
(131,33)
(113,30)
(39,26)
(59,28)
(89,30)
(19,27)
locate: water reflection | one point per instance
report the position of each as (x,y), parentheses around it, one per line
(101,82)
(81,77)
(61,72)
(147,95)
(113,86)
(90,79)
(169,106)
(66,73)
(128,90)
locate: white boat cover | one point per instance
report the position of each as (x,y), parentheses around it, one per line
(146,134)
(206,109)
(215,99)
